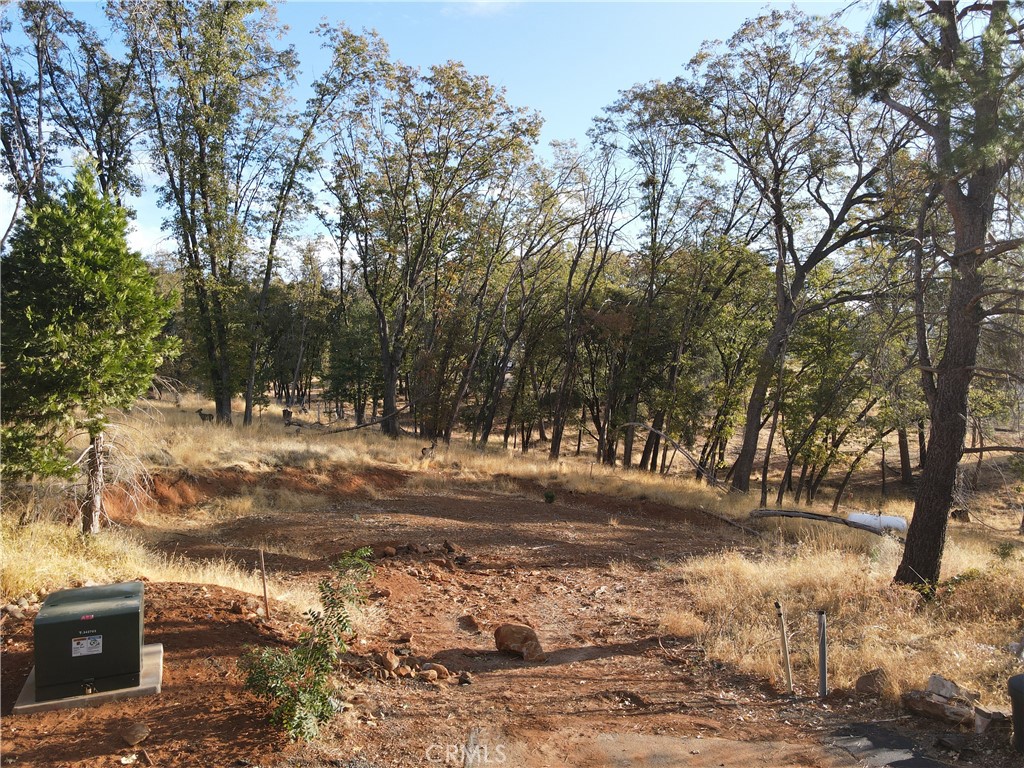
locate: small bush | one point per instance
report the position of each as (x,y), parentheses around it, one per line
(298,681)
(1004,550)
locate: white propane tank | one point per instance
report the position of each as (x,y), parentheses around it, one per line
(879,522)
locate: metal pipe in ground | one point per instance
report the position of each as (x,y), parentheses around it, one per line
(263,575)
(785,647)
(822,657)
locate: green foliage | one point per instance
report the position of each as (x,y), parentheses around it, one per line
(298,681)
(82,326)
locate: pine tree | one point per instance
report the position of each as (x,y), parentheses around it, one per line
(81,328)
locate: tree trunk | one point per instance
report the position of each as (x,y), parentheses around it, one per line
(758,395)
(649,458)
(926,536)
(92,513)
(906,469)
(389,419)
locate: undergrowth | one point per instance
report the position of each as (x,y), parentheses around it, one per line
(298,682)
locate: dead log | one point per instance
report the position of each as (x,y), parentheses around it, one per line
(817,517)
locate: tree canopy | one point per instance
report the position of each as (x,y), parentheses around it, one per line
(82,325)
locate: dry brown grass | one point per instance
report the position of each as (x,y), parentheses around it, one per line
(44,556)
(728,598)
(961,634)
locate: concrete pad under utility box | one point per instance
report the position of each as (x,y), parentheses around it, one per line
(150,681)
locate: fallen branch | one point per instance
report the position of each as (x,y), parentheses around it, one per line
(371,423)
(996,449)
(816,516)
(696,464)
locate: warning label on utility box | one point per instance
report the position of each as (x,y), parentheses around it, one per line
(87,646)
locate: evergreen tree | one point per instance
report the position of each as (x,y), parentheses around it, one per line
(81,327)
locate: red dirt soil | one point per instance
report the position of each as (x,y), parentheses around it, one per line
(582,571)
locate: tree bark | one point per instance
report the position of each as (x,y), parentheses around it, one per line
(92,513)
(926,537)
(906,469)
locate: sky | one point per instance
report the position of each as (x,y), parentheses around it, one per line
(566,60)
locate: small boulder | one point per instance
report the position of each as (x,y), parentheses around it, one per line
(938,708)
(872,683)
(992,720)
(440,669)
(430,675)
(134,734)
(947,689)
(404,670)
(14,611)
(519,639)
(388,660)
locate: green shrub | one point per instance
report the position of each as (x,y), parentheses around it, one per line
(298,681)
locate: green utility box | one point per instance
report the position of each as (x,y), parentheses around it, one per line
(89,640)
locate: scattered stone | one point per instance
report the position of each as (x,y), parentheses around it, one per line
(405,637)
(389,661)
(449,547)
(430,675)
(404,671)
(380,594)
(236,607)
(135,733)
(516,638)
(440,669)
(872,683)
(470,623)
(947,689)
(388,552)
(465,678)
(938,708)
(404,650)
(992,720)
(14,611)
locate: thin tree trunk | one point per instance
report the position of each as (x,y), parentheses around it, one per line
(92,513)
(906,469)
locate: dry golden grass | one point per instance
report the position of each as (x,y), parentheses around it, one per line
(872,623)
(728,598)
(44,556)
